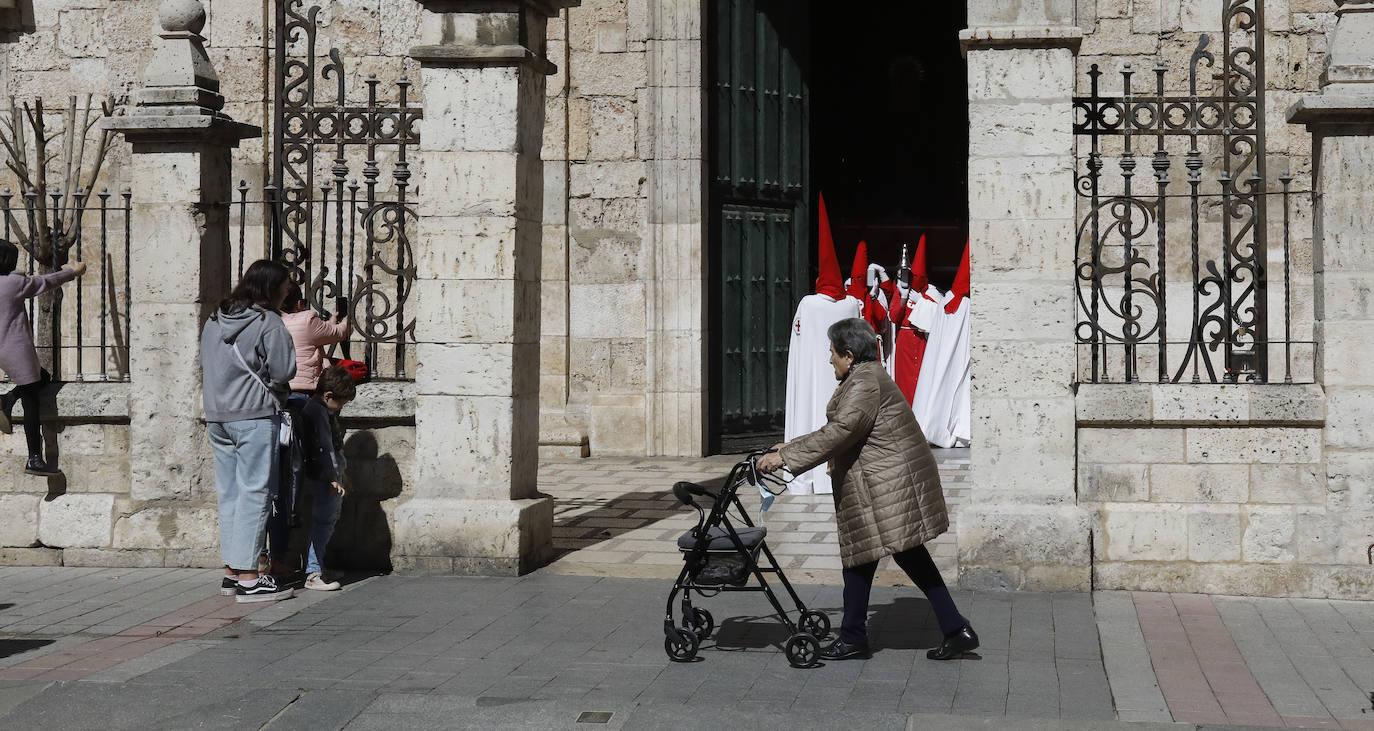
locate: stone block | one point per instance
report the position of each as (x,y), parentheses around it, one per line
(607,179)
(381,401)
(1349,479)
(607,310)
(608,74)
(471,247)
(1350,417)
(121,559)
(1187,404)
(1345,296)
(1113,483)
(1020,188)
(1126,446)
(1199,483)
(493,537)
(19,520)
(1022,249)
(1145,532)
(1266,445)
(1112,403)
(30,557)
(610,37)
(478,310)
(1318,536)
(1019,311)
(1269,534)
(1287,405)
(999,536)
(167,527)
(1023,129)
(612,131)
(1020,73)
(1344,355)
(1301,484)
(98,474)
(1214,533)
(674,63)
(471,369)
(467,184)
(1025,449)
(468,449)
(80,33)
(617,425)
(76,521)
(605,256)
(670,120)
(471,109)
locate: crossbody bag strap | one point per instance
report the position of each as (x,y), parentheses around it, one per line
(251,372)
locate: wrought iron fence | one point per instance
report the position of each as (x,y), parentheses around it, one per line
(346,241)
(1128,246)
(88,339)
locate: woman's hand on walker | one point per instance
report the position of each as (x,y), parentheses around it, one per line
(770,462)
(338,488)
(79,268)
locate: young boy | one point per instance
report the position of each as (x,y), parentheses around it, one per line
(322,440)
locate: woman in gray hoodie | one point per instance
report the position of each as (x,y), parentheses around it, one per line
(248,360)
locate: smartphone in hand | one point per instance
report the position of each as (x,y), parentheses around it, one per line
(341,307)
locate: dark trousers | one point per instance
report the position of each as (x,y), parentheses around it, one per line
(27,394)
(916,562)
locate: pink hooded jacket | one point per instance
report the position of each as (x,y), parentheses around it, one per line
(310,333)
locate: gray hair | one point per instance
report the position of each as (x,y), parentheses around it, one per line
(854,335)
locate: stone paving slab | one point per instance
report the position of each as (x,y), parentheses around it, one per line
(618,517)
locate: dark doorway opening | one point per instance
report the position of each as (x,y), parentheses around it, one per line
(869,107)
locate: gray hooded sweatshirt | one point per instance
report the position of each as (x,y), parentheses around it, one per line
(230,392)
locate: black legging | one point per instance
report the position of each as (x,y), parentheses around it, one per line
(27,394)
(917,563)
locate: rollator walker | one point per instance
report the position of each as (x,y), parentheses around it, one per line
(721,555)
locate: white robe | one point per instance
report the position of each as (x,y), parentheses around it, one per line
(942,400)
(811,378)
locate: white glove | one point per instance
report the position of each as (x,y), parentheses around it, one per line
(876,275)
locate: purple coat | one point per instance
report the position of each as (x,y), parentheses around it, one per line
(18,359)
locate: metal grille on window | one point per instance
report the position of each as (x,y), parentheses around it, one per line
(1186,275)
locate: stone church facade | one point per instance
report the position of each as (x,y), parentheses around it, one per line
(568,288)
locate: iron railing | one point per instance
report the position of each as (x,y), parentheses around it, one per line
(86,339)
(1124,318)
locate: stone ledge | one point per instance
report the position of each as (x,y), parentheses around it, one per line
(384,403)
(461,55)
(83,402)
(1016,36)
(1319,581)
(1317,109)
(1150,405)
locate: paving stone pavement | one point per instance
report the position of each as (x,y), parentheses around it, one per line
(536,651)
(616,516)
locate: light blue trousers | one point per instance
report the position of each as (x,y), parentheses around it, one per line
(245,476)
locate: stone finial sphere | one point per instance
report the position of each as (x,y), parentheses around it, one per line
(181,15)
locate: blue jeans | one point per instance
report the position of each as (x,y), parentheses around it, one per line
(324,515)
(326,505)
(245,476)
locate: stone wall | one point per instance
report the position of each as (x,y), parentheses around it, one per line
(624,269)
(1219,490)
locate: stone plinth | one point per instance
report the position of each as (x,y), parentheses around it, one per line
(475,507)
(1021,528)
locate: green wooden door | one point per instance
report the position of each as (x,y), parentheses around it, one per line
(759,197)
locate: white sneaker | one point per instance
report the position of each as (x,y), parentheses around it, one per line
(316,581)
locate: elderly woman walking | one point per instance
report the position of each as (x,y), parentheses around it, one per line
(888,499)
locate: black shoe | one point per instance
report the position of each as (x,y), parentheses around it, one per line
(37,467)
(265,590)
(961,641)
(841,650)
(228,586)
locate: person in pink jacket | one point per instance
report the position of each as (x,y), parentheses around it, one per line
(311,333)
(18,358)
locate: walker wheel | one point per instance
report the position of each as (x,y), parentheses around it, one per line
(802,650)
(816,624)
(701,623)
(680,645)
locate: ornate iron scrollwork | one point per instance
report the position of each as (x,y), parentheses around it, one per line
(320,136)
(1122,295)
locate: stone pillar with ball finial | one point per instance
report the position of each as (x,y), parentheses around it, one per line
(179,269)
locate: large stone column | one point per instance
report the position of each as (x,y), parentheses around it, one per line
(180,263)
(1021,528)
(1341,121)
(475,507)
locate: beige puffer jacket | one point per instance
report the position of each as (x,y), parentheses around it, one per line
(888,497)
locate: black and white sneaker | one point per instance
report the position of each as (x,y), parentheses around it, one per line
(265,590)
(228,586)
(38,468)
